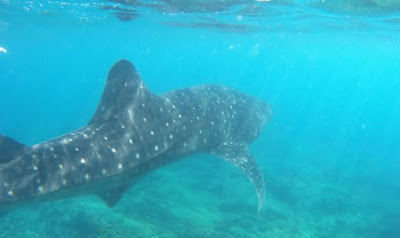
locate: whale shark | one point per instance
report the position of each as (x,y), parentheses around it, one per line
(133,132)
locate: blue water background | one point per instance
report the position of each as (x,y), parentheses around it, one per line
(331,148)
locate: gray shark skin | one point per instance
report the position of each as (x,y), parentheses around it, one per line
(133,132)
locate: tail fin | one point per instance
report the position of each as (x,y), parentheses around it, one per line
(10,149)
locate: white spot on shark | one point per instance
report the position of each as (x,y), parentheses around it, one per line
(130,113)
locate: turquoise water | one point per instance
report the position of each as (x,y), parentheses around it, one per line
(329,69)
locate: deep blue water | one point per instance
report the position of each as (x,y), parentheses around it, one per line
(331,73)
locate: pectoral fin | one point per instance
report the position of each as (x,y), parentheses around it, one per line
(239,155)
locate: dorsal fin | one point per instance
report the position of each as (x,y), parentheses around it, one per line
(10,149)
(123,86)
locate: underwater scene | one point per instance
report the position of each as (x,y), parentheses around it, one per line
(200,118)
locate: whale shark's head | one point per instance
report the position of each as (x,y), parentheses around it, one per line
(252,117)
(260,113)
(265,113)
